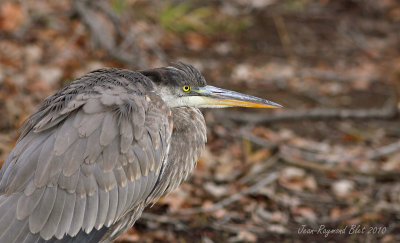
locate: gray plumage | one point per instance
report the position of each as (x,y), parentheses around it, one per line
(92,156)
(102,148)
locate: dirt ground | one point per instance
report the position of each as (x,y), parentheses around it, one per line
(326,168)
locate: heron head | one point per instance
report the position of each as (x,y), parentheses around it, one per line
(183,85)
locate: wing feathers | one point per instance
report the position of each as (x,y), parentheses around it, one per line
(79,213)
(66,136)
(122,196)
(26,204)
(92,206)
(109,129)
(69,183)
(90,184)
(104,203)
(89,124)
(126,135)
(40,215)
(27,163)
(10,225)
(74,158)
(23,231)
(48,164)
(83,162)
(50,228)
(110,156)
(112,206)
(130,185)
(141,156)
(120,176)
(67,215)
(93,106)
(93,147)
(105,180)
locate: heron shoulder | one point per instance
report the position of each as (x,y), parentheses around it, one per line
(97,145)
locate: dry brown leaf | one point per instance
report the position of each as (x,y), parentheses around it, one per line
(393,162)
(225,166)
(207,204)
(278,228)
(220,213)
(335,213)
(387,239)
(268,134)
(195,41)
(258,155)
(38,86)
(33,53)
(274,217)
(50,75)
(174,200)
(11,16)
(129,237)
(216,190)
(293,178)
(310,183)
(304,212)
(246,236)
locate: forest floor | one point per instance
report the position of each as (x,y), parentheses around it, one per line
(326,168)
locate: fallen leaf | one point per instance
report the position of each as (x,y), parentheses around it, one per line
(304,212)
(11,16)
(216,190)
(259,155)
(174,200)
(342,188)
(246,236)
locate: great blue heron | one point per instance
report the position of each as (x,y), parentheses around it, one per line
(102,148)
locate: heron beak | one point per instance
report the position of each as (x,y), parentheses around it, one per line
(217,97)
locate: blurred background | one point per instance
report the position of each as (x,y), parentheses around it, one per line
(330,159)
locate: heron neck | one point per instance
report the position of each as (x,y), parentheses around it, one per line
(187,142)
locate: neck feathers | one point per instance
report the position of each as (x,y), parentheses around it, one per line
(187,142)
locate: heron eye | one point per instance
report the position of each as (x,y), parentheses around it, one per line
(186,88)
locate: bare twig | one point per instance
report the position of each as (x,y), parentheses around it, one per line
(259,168)
(257,140)
(312,161)
(107,41)
(254,229)
(102,7)
(386,112)
(163,219)
(334,220)
(323,167)
(285,39)
(235,197)
(384,151)
(332,75)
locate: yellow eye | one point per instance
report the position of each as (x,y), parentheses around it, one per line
(186,88)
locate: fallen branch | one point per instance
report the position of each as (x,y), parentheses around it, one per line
(107,41)
(231,228)
(235,197)
(163,219)
(388,111)
(384,151)
(342,218)
(259,168)
(335,76)
(324,167)
(246,134)
(111,15)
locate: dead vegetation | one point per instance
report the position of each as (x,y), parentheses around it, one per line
(330,159)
